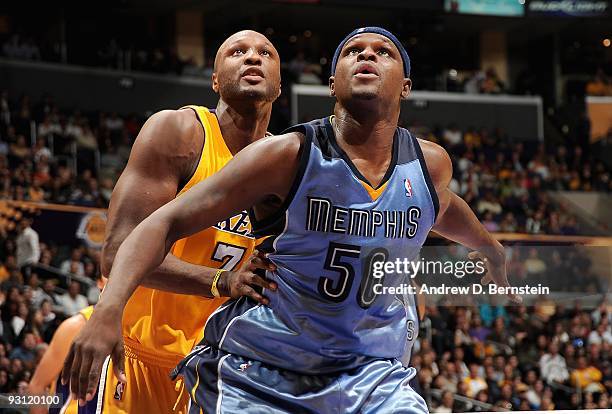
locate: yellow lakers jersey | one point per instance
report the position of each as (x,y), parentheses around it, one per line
(168,324)
(86,312)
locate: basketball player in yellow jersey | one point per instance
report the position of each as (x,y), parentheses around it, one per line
(174,151)
(50,365)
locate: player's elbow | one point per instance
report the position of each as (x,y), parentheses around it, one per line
(110,247)
(106,260)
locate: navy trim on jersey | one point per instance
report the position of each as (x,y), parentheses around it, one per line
(263,226)
(428,180)
(331,136)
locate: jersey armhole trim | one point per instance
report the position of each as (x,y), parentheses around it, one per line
(261,225)
(184,182)
(432,189)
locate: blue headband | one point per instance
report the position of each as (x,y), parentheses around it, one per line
(380,31)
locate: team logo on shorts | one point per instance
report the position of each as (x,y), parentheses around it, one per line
(408,187)
(119,390)
(244,367)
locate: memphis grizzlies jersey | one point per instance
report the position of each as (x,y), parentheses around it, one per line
(326,315)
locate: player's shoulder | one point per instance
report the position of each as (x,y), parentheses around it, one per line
(284,145)
(172,130)
(170,134)
(439,164)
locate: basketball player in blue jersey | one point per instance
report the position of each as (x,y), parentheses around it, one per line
(329,198)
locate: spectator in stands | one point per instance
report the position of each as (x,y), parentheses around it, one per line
(28,249)
(490,223)
(492,84)
(604,401)
(458,360)
(560,334)
(114,123)
(446,403)
(49,127)
(452,136)
(40,150)
(19,320)
(49,292)
(4,380)
(49,318)
(586,376)
(535,266)
(87,140)
(553,366)
(72,301)
(462,335)
(475,383)
(75,264)
(489,204)
(19,152)
(25,352)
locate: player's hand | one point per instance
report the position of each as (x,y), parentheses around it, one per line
(241,282)
(496,272)
(100,337)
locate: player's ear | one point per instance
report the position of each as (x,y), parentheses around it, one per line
(332,86)
(215,82)
(406,88)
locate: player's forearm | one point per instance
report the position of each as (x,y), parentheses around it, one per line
(177,276)
(459,223)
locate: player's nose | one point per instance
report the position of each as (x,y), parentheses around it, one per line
(367,54)
(252,57)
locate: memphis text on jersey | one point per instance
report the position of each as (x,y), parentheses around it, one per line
(323,216)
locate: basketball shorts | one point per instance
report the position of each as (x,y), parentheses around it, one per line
(218,382)
(148,390)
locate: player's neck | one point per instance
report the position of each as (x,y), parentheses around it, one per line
(243,123)
(365,130)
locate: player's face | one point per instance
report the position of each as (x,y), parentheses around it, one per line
(370,67)
(247,66)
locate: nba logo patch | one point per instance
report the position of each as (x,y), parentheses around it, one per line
(119,390)
(408,187)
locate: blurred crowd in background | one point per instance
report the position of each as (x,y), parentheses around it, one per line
(75,158)
(545,357)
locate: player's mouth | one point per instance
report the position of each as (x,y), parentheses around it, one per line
(252,75)
(366,71)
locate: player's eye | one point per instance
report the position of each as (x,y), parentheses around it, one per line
(265,53)
(238,52)
(353,51)
(384,52)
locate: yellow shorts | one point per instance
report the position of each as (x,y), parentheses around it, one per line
(149,389)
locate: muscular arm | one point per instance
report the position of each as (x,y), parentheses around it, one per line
(457,222)
(264,169)
(164,154)
(51,363)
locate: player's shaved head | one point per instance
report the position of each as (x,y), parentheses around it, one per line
(247,66)
(236,37)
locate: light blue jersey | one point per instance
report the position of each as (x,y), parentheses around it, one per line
(325,319)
